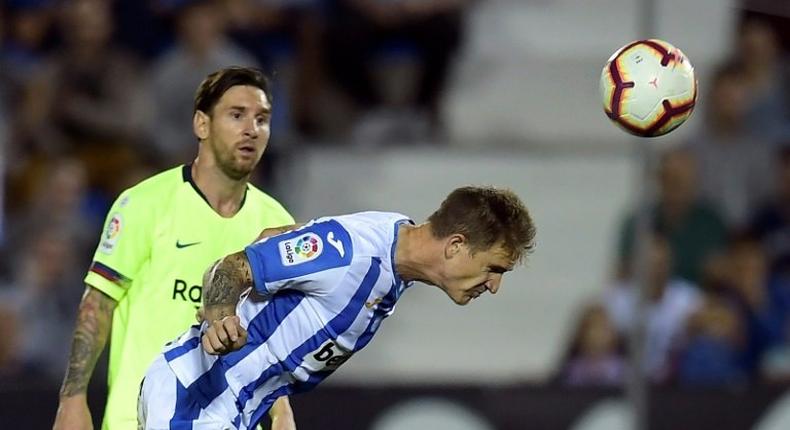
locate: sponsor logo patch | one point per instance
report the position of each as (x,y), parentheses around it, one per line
(111,233)
(301,249)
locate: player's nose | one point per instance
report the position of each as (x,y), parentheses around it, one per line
(493,284)
(251,130)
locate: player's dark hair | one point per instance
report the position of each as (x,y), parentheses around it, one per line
(486,216)
(216,84)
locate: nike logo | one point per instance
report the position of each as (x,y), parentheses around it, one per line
(336,243)
(180,245)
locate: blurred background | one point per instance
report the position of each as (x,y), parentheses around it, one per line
(377,106)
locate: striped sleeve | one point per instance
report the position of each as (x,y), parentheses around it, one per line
(305,259)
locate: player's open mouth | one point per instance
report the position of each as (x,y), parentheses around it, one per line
(477,292)
(247,149)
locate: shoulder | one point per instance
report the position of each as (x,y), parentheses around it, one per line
(371,220)
(161,183)
(318,246)
(140,200)
(372,232)
(267,204)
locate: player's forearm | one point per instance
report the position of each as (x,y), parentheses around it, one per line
(223,284)
(90,335)
(281,411)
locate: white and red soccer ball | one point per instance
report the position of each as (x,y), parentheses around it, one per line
(648,88)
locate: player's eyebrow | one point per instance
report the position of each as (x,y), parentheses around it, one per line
(263,111)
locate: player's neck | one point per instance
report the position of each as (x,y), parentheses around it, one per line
(223,193)
(413,253)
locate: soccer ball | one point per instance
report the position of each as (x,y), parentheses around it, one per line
(648,88)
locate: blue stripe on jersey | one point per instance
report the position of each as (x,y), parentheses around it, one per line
(269,258)
(339,324)
(264,324)
(182,349)
(212,383)
(185,411)
(383,308)
(312,381)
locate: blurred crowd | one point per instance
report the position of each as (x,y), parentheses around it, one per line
(96,95)
(716,285)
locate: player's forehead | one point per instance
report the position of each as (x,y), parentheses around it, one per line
(244,96)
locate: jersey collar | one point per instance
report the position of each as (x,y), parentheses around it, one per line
(398,280)
(186,174)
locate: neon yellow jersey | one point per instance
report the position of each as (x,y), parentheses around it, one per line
(159,238)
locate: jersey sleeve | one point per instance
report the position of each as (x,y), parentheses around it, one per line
(308,259)
(124,246)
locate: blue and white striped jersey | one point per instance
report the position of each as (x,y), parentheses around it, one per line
(320,293)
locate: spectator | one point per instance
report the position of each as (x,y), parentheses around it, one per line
(93,87)
(10,366)
(22,55)
(693,228)
(58,197)
(771,224)
(766,74)
(201,47)
(29,26)
(88,101)
(596,356)
(761,300)
(712,353)
(285,36)
(360,29)
(45,299)
(670,301)
(725,144)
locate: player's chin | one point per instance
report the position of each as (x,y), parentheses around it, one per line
(463,300)
(243,168)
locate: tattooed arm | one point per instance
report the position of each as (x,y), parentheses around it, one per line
(90,336)
(223,284)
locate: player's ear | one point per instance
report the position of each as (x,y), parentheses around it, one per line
(200,122)
(454,245)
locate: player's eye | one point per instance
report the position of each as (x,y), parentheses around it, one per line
(235,115)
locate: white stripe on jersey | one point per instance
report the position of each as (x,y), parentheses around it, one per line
(320,294)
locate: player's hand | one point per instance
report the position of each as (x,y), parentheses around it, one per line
(73,414)
(223,336)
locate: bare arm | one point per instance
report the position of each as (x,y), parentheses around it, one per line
(90,335)
(228,275)
(223,284)
(282,415)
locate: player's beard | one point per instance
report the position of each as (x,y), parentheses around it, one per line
(232,167)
